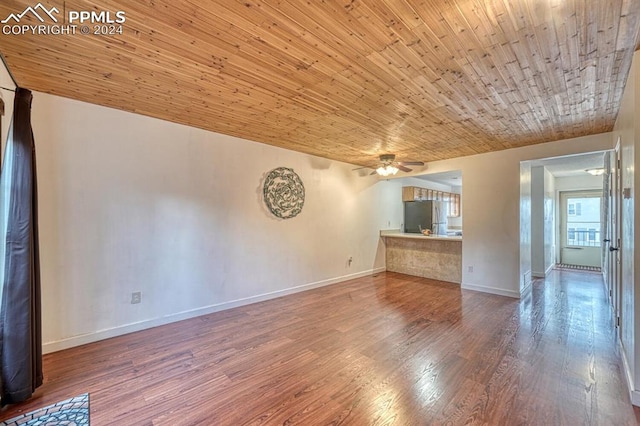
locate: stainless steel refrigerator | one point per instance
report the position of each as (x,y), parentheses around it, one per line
(420,215)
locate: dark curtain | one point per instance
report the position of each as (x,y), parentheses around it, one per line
(20,329)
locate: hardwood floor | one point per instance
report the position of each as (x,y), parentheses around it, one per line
(388,350)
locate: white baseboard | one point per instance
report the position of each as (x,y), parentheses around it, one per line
(549,269)
(492,290)
(526,291)
(538,274)
(83,339)
(633,394)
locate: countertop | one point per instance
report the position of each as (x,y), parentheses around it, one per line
(394,233)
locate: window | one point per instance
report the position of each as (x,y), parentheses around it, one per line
(583,221)
(574,209)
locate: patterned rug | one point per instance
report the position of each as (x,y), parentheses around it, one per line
(70,412)
(578,267)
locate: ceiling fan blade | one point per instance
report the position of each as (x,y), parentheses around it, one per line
(373,173)
(403,168)
(411,163)
(360,168)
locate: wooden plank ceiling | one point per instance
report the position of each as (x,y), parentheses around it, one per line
(349,79)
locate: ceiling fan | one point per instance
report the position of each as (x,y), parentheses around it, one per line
(389,166)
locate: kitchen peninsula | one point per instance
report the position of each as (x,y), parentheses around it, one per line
(438,257)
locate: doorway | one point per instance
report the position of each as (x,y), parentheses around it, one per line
(580,232)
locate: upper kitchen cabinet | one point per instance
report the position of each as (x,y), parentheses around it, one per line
(416,193)
(446,187)
(454,206)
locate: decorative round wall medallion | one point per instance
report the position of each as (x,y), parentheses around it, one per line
(283,193)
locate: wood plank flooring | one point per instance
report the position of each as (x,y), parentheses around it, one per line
(389,349)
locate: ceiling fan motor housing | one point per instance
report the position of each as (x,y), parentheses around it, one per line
(387,158)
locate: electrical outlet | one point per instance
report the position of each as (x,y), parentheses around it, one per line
(469,268)
(136,297)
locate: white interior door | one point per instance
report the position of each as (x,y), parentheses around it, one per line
(614,243)
(580,228)
(607,203)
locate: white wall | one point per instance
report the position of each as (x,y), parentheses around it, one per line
(537,221)
(627,128)
(491,209)
(526,229)
(578,183)
(130,203)
(424,182)
(630,156)
(7,96)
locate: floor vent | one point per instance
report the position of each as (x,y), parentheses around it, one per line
(578,267)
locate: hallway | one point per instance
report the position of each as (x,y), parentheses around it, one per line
(567,336)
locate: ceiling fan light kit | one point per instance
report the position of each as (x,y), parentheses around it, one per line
(595,172)
(389,166)
(387,170)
